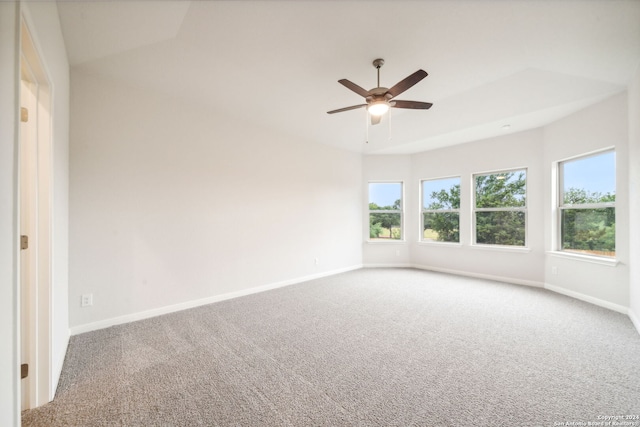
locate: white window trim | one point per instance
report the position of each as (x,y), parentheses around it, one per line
(443,244)
(390,242)
(524,209)
(592,259)
(560,206)
(401,212)
(423,211)
(500,248)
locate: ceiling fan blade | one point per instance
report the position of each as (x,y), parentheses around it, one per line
(375,119)
(407,83)
(354,87)
(414,105)
(340,110)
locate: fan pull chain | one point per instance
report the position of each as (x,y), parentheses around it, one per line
(389,126)
(366,125)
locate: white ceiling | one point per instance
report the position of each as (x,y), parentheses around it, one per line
(490,62)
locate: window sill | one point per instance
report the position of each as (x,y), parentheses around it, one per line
(609,262)
(442,244)
(384,242)
(499,248)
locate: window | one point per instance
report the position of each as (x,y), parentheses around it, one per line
(587,196)
(385,211)
(441,210)
(500,208)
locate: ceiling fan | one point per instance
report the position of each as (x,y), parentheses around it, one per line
(380,99)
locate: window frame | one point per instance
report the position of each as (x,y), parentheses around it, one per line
(423,210)
(560,206)
(524,209)
(396,211)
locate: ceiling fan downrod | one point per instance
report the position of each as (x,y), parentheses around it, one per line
(378,63)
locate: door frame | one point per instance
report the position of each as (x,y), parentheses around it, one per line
(39,302)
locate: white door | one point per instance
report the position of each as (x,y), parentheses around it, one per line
(35,218)
(28,262)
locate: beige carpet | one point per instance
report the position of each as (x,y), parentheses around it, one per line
(373,347)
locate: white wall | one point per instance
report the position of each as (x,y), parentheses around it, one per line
(518,150)
(171,202)
(507,152)
(594,128)
(9,376)
(43,21)
(597,127)
(634,198)
(388,168)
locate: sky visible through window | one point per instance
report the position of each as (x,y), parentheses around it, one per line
(595,174)
(428,187)
(384,193)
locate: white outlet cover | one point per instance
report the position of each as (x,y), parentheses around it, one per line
(86,300)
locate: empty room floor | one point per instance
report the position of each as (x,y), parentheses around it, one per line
(371,347)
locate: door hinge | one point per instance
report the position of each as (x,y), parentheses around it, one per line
(24,242)
(24,114)
(24,371)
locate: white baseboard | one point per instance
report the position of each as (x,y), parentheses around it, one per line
(388,265)
(216,298)
(203,301)
(482,276)
(587,298)
(634,319)
(577,295)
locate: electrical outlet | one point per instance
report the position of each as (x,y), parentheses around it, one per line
(554,270)
(398,253)
(316,260)
(86,300)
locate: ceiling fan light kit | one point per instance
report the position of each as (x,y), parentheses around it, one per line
(379,99)
(378,108)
